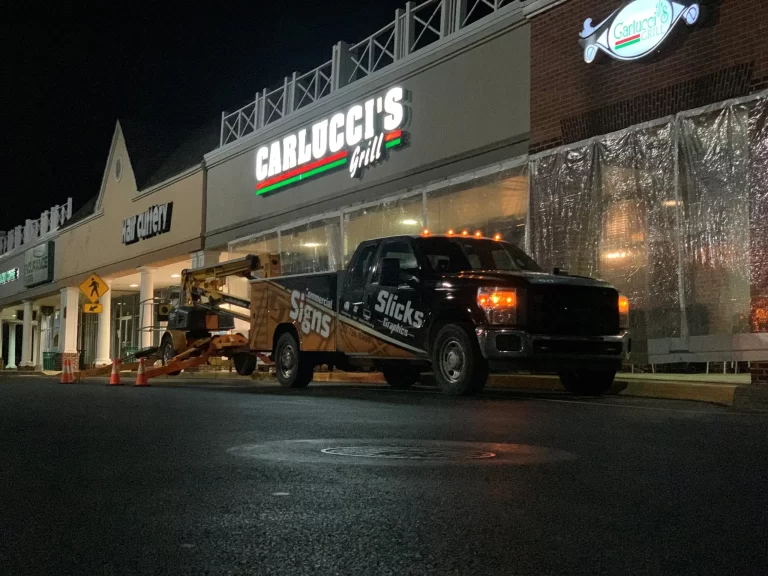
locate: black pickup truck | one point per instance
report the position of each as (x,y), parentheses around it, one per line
(458,306)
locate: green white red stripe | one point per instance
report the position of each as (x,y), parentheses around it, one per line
(391,140)
(627,41)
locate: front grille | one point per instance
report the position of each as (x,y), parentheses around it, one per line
(573,310)
(577,347)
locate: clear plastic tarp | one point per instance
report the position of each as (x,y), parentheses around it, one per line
(666,212)
(494,204)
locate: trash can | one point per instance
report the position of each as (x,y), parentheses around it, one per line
(49,360)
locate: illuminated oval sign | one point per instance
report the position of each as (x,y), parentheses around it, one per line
(636,29)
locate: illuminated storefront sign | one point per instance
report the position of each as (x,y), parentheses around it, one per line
(154,221)
(636,29)
(356,139)
(9,276)
(38,264)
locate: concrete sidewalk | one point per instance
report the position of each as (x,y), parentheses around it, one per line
(712,388)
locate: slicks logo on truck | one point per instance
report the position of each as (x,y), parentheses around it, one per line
(402,312)
(310,319)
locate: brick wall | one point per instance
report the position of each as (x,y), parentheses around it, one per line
(722,57)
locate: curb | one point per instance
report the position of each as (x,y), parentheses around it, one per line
(713,393)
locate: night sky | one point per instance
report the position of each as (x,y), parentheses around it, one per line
(71,71)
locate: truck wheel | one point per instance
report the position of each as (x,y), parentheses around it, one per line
(245,364)
(292,367)
(400,376)
(460,369)
(587,382)
(168,353)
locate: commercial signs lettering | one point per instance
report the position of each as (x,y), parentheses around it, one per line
(637,28)
(154,221)
(38,264)
(357,138)
(9,276)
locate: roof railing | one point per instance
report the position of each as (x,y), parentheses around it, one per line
(415,27)
(49,221)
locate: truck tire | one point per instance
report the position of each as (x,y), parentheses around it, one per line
(460,369)
(245,364)
(587,382)
(168,353)
(400,376)
(292,367)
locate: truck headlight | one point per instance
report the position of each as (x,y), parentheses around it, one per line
(499,305)
(623,312)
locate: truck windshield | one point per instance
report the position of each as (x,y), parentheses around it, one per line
(460,254)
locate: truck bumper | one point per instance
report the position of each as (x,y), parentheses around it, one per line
(507,349)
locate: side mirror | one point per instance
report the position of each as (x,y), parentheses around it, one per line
(390,272)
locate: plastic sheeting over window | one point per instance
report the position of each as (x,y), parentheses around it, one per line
(664,211)
(311,247)
(496,204)
(388,218)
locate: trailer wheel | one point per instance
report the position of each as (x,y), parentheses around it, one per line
(293,368)
(460,369)
(168,353)
(245,364)
(400,376)
(587,382)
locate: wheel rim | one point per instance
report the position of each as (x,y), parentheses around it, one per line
(453,361)
(167,353)
(287,360)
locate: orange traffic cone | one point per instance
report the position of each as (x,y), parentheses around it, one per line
(141,377)
(67,377)
(114,378)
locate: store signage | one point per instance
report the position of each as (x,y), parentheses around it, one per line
(9,276)
(154,221)
(357,138)
(38,264)
(637,28)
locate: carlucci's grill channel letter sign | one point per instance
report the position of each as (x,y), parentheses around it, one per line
(357,138)
(38,264)
(636,29)
(154,221)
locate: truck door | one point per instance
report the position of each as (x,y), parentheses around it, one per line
(354,304)
(396,302)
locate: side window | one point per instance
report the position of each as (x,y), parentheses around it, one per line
(403,251)
(360,266)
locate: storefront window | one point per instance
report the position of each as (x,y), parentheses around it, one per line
(715,187)
(258,245)
(311,247)
(492,205)
(388,218)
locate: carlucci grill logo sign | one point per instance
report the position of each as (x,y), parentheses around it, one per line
(636,29)
(357,138)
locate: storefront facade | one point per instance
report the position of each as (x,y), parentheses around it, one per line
(649,166)
(435,139)
(142,229)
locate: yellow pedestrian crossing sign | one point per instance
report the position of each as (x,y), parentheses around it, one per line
(94,288)
(93,308)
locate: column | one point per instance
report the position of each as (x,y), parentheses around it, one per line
(104,336)
(11,365)
(1,339)
(68,321)
(26,337)
(147,309)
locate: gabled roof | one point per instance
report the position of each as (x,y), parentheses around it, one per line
(158,153)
